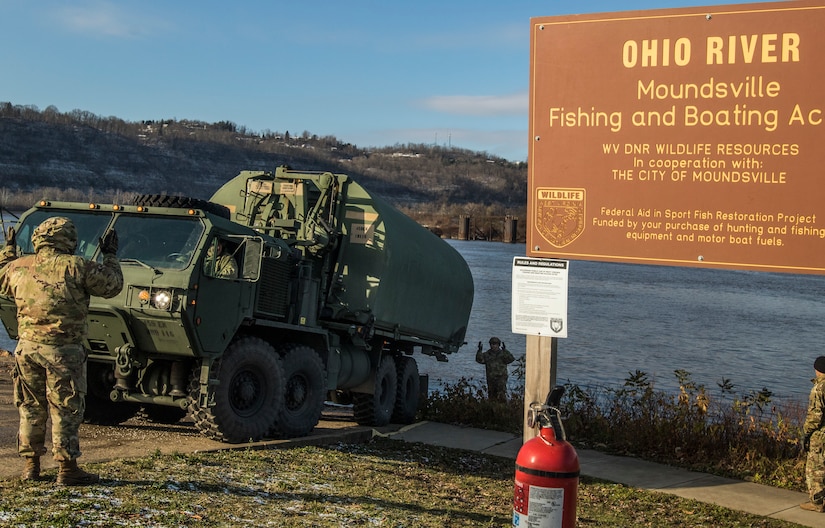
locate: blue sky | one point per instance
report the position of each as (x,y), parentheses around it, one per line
(373,73)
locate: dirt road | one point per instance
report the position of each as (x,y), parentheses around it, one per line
(138,437)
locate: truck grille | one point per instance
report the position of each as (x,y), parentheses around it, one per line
(273,290)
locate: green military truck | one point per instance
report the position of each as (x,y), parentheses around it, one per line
(330,294)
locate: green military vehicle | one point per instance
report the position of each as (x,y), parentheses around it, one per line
(329,294)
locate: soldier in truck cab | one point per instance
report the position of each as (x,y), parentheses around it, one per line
(220,262)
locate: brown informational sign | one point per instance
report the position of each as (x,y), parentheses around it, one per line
(682,137)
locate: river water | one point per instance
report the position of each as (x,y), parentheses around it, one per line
(759,330)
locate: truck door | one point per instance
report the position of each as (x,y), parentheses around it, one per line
(226,289)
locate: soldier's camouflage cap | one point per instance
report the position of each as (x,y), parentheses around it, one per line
(58,232)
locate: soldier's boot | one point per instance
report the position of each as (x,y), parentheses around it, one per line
(810,506)
(31,471)
(71,475)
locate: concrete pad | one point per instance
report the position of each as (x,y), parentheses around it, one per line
(445,435)
(802,517)
(508,449)
(738,495)
(633,471)
(749,497)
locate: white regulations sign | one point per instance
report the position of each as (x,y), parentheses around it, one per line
(540,296)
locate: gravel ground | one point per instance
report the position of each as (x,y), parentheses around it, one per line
(139,437)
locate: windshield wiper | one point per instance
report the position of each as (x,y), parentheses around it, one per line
(145,265)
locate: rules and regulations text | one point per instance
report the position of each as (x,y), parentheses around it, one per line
(539,296)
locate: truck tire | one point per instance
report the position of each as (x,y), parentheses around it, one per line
(100,409)
(407,392)
(249,395)
(183,202)
(305,382)
(376,408)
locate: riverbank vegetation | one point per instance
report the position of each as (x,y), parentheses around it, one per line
(746,436)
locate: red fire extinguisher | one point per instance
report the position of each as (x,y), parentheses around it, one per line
(547,471)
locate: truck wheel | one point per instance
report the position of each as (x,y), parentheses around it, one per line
(184,202)
(407,394)
(100,410)
(249,396)
(376,408)
(305,392)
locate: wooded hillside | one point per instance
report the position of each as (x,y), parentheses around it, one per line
(81,156)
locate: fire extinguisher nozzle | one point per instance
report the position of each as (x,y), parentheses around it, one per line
(554,396)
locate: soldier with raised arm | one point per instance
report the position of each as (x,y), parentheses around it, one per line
(495,361)
(51,289)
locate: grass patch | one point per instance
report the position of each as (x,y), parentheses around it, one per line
(381,483)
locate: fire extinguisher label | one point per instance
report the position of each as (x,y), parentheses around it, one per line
(545,509)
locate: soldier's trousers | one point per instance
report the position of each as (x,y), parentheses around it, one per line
(497,388)
(815,469)
(49,381)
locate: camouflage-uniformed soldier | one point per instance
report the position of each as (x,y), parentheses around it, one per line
(495,360)
(51,289)
(814,441)
(225,266)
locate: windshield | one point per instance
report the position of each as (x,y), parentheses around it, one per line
(90,227)
(159,242)
(156,241)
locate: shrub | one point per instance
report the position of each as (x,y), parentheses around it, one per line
(466,403)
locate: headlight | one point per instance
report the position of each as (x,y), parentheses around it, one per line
(162,300)
(159,299)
